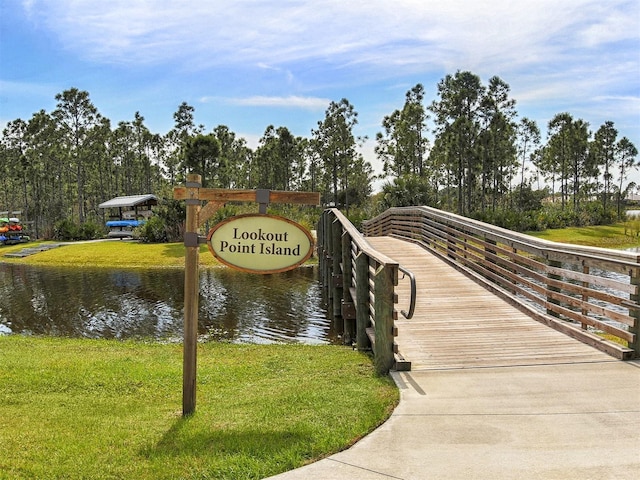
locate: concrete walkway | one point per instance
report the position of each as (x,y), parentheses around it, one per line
(556,421)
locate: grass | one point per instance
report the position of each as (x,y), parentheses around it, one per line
(112,410)
(112,254)
(115,253)
(605,236)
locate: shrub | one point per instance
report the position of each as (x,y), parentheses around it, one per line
(153,231)
(65,230)
(90,231)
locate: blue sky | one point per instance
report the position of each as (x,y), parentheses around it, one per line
(248,64)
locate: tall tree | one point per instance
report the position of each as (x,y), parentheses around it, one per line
(581,168)
(200,156)
(336,146)
(528,141)
(233,162)
(457,115)
(15,165)
(497,138)
(184,128)
(557,151)
(626,153)
(77,117)
(604,151)
(275,158)
(46,158)
(403,144)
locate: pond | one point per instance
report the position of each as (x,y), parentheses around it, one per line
(143,304)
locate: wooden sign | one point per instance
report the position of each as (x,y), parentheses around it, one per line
(274,243)
(260,243)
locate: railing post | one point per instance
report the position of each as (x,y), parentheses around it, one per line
(489,243)
(585,297)
(328,237)
(635,312)
(553,263)
(336,253)
(320,249)
(384,283)
(362,302)
(347,307)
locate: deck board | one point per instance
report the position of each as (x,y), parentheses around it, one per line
(459,324)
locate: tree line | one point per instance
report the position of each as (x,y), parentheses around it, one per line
(487,163)
(59,166)
(466,151)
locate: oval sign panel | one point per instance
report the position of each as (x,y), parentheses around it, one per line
(260,243)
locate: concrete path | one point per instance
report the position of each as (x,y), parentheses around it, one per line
(557,421)
(25,252)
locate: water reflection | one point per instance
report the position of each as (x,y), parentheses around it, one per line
(98,303)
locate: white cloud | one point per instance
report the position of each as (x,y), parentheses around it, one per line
(403,33)
(552,53)
(291,101)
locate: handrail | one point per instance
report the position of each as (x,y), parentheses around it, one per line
(558,284)
(412,302)
(360,240)
(359,283)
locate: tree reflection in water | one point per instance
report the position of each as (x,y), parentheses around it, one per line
(99,303)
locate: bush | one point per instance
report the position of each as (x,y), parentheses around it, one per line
(65,230)
(68,230)
(153,231)
(90,231)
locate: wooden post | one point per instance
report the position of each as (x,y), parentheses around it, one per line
(383,290)
(320,249)
(550,311)
(347,282)
(336,250)
(585,298)
(634,275)
(362,302)
(328,238)
(191,292)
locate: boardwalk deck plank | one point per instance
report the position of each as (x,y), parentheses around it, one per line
(459,324)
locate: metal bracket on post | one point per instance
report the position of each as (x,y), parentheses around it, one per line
(262,198)
(191,239)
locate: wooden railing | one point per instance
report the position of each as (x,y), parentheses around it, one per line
(579,290)
(359,284)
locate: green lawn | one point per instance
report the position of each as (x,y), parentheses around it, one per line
(605,236)
(80,409)
(96,409)
(113,253)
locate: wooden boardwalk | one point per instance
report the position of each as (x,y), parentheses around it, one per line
(459,324)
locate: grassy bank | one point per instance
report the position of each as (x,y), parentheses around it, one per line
(606,236)
(105,409)
(113,253)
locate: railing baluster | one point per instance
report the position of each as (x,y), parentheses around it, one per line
(362,301)
(374,294)
(349,326)
(336,253)
(566,285)
(634,297)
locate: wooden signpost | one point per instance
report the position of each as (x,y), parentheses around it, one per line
(274,246)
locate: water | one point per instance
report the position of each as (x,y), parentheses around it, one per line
(123,304)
